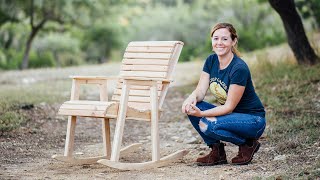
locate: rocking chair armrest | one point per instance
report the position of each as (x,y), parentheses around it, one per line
(101,81)
(95,77)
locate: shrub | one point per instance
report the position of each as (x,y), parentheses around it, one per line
(10,120)
(44,59)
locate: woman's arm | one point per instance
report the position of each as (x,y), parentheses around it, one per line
(198,94)
(234,95)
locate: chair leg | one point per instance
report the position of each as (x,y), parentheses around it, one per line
(117,139)
(106,137)
(72,120)
(154,124)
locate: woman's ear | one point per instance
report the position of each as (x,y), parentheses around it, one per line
(234,42)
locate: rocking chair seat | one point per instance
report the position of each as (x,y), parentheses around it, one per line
(102,109)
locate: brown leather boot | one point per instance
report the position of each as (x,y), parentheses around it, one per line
(246,153)
(216,156)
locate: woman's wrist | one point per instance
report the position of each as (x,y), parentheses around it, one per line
(202,113)
(192,96)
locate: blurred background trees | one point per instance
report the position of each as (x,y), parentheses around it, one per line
(296,35)
(45,33)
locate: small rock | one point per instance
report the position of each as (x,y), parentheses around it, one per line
(175,137)
(205,172)
(279,158)
(79,153)
(192,140)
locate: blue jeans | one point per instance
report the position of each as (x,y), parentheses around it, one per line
(234,127)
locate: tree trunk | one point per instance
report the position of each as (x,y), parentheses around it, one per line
(296,35)
(34,31)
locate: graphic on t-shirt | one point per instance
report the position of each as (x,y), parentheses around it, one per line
(218,92)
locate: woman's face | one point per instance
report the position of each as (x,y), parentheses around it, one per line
(222,42)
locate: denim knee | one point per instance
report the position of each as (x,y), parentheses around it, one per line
(206,126)
(210,128)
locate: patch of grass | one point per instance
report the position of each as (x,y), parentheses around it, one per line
(10,120)
(14,99)
(291,96)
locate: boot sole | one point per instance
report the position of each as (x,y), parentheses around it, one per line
(212,164)
(247,162)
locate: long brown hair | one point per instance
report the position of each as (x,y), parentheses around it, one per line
(233,32)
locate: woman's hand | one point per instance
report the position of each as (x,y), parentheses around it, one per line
(195,111)
(198,94)
(186,105)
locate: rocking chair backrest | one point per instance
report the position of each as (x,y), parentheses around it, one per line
(150,59)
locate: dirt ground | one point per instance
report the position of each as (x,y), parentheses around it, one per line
(26,152)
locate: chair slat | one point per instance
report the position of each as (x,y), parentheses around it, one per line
(141,55)
(81,112)
(146,61)
(139,67)
(119,86)
(143,74)
(84,107)
(154,43)
(141,105)
(132,98)
(148,49)
(86,102)
(136,92)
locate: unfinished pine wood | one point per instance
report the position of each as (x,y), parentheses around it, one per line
(136,92)
(149,49)
(146,61)
(159,87)
(76,107)
(130,55)
(120,122)
(145,165)
(143,82)
(154,123)
(155,43)
(89,108)
(106,138)
(143,74)
(133,98)
(69,146)
(139,67)
(90,160)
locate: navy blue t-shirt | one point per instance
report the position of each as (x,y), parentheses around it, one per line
(237,72)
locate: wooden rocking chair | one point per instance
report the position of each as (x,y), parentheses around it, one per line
(142,85)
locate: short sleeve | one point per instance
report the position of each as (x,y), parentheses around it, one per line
(240,75)
(208,65)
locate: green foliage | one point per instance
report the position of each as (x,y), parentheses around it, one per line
(12,35)
(3,59)
(37,60)
(310,9)
(60,49)
(12,59)
(44,59)
(79,31)
(10,120)
(257,25)
(99,40)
